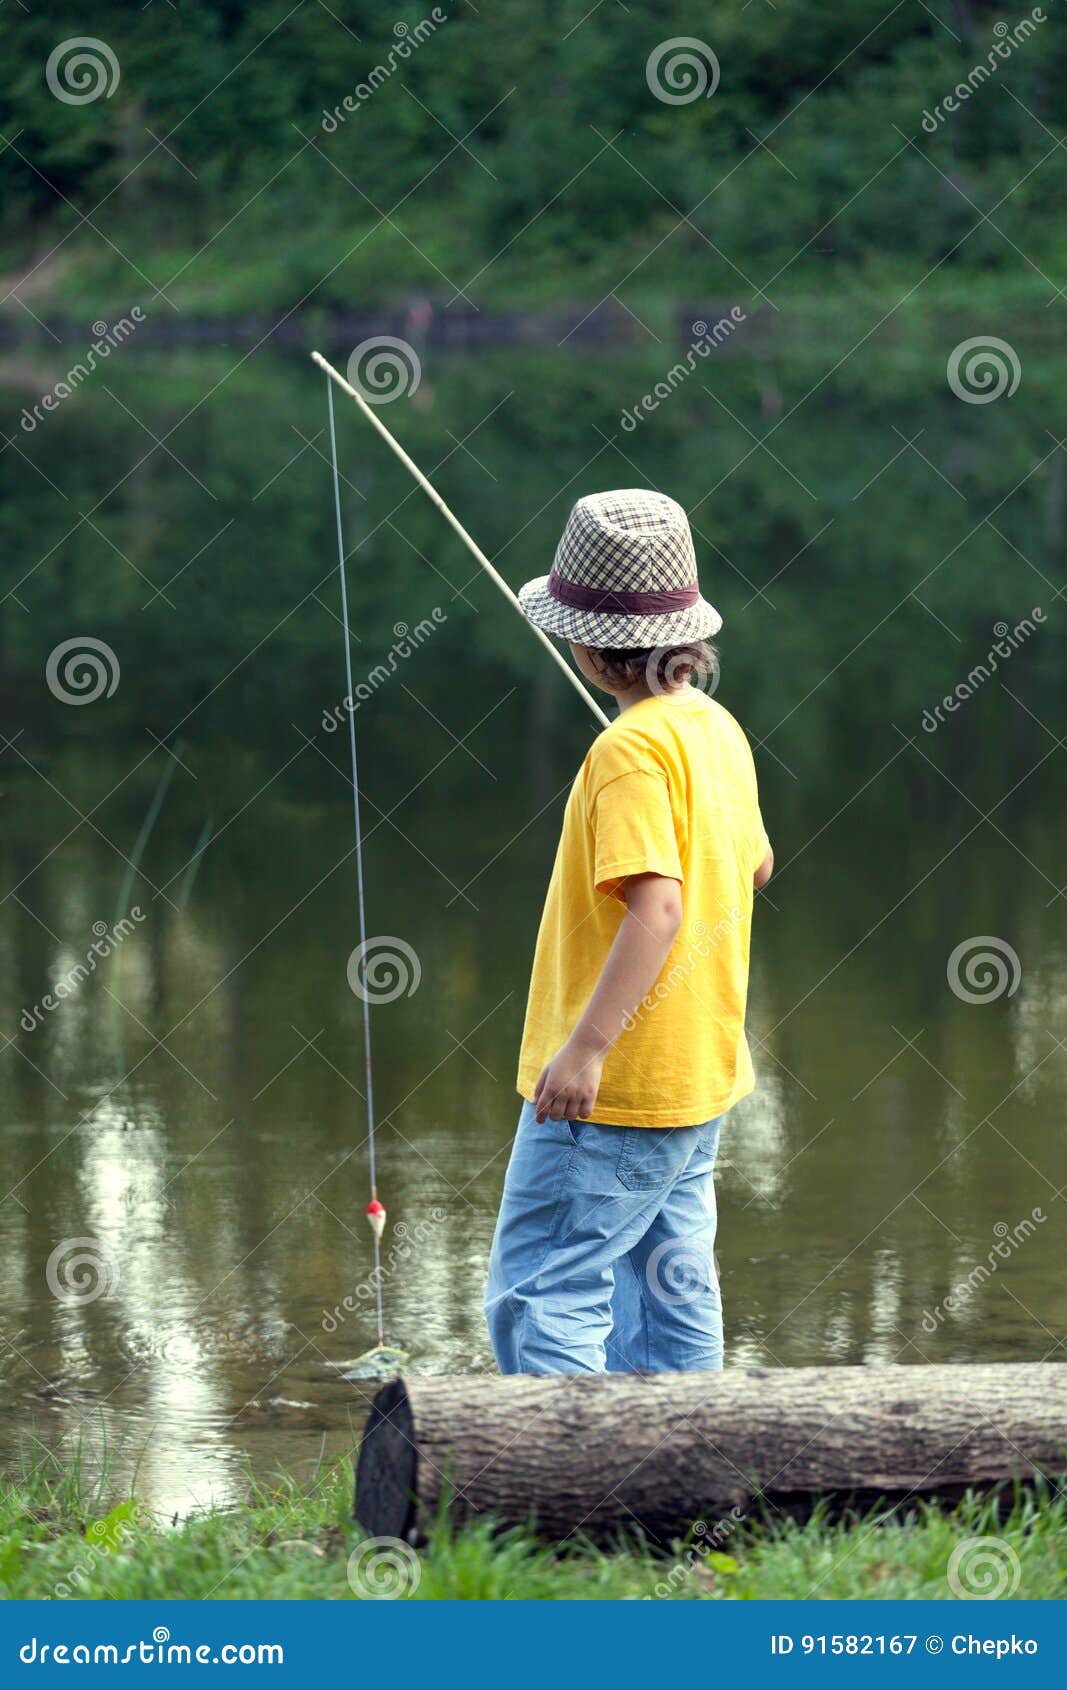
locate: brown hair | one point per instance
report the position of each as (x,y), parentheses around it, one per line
(664,667)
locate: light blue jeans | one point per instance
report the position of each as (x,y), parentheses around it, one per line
(604,1253)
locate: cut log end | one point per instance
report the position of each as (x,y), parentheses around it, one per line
(386,1476)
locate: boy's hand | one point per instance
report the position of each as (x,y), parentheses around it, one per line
(567,1088)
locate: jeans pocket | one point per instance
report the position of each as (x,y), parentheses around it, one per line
(647,1158)
(566,1134)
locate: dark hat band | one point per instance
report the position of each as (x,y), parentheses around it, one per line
(623,604)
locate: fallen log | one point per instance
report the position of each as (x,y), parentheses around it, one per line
(595,1453)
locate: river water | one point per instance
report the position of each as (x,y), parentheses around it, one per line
(186,1121)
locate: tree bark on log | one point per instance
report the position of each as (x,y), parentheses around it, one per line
(591,1453)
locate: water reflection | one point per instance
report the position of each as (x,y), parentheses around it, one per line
(195,1108)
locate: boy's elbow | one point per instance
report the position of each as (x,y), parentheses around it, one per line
(656,903)
(671,913)
(765,870)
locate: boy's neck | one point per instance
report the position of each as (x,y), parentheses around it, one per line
(637,694)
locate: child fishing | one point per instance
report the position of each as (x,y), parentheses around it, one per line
(634,1045)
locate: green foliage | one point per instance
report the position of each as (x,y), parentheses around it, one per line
(520,145)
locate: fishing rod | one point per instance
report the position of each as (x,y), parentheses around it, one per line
(474,549)
(376,1213)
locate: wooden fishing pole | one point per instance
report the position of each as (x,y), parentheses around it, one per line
(474,549)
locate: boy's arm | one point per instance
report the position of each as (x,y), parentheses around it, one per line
(765,870)
(567,1088)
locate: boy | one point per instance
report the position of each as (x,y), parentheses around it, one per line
(634,1045)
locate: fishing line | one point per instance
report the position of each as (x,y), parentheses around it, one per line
(375,1210)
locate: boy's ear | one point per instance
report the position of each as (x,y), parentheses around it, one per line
(587,662)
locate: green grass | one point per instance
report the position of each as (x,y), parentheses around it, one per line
(66,1534)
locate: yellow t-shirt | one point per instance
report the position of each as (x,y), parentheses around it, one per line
(669,788)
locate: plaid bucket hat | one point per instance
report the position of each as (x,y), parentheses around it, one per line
(625,575)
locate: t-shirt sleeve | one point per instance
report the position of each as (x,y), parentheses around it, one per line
(633,828)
